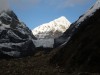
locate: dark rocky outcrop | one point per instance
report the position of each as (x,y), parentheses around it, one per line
(15,37)
(82,51)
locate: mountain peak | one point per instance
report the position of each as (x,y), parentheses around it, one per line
(14,35)
(52,29)
(62,17)
(10,13)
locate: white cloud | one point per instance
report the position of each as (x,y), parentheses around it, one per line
(55,3)
(71,3)
(4,5)
(24,4)
(65,3)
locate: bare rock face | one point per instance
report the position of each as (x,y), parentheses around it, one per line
(81,53)
(15,36)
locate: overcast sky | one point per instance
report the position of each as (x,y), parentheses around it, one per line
(37,12)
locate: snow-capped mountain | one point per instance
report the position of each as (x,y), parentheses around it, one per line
(52,29)
(15,36)
(81,53)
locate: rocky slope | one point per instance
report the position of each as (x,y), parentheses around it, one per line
(52,29)
(81,52)
(15,36)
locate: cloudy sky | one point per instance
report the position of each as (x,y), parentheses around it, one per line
(37,12)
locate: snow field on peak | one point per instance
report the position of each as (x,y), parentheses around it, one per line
(58,25)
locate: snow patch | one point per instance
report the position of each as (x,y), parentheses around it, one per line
(46,43)
(12,53)
(3,26)
(13,34)
(90,12)
(6,17)
(8,45)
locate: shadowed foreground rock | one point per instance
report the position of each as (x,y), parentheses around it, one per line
(82,52)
